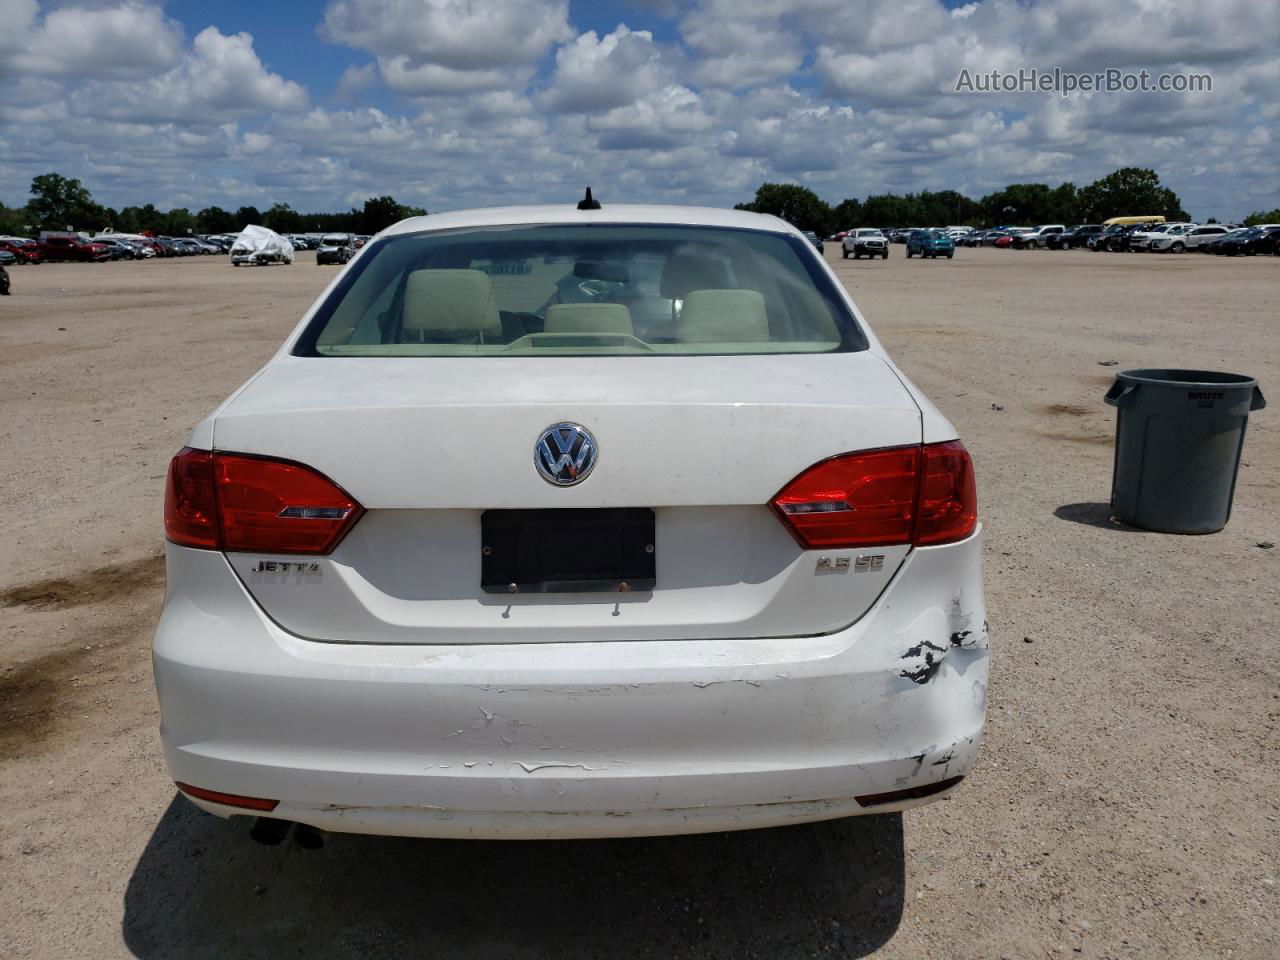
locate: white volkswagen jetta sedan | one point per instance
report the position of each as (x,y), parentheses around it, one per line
(548,522)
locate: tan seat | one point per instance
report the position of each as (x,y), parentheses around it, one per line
(724,316)
(451,301)
(588,318)
(684,272)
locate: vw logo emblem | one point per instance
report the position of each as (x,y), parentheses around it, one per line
(565,454)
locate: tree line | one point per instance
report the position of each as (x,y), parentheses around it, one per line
(1130,191)
(64,203)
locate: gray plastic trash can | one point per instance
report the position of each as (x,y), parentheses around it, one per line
(1179,434)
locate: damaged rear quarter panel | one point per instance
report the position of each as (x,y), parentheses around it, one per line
(937,610)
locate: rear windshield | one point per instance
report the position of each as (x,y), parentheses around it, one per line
(583,289)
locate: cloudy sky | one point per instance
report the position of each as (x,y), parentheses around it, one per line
(459,103)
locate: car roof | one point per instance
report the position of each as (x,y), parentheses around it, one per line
(616,213)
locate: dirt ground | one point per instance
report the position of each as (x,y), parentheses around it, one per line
(1127,798)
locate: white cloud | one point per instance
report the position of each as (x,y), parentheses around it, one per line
(255,143)
(740,45)
(220,79)
(343,131)
(454,33)
(431,47)
(124,40)
(355,81)
(665,119)
(431,79)
(601,73)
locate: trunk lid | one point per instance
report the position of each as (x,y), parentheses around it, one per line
(427,445)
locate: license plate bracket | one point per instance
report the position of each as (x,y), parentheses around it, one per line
(596,550)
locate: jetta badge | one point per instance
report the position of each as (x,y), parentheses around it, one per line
(565,454)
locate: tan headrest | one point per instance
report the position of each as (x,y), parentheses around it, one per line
(451,300)
(724,316)
(588,318)
(691,271)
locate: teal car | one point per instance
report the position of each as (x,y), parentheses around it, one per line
(930,243)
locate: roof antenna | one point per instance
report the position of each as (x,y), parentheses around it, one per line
(588,203)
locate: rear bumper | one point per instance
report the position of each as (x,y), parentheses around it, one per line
(574,739)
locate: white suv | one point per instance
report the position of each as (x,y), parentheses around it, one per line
(548,522)
(1162,238)
(1193,238)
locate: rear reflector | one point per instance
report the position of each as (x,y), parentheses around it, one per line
(911,793)
(234,502)
(228,799)
(923,495)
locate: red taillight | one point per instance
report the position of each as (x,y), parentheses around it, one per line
(948,495)
(922,495)
(190,512)
(269,506)
(856,500)
(225,501)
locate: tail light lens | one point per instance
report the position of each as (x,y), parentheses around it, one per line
(190,512)
(922,495)
(948,495)
(233,502)
(857,500)
(270,506)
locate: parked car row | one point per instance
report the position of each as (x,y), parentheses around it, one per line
(310,241)
(871,242)
(1073,238)
(1132,238)
(903,234)
(1249,241)
(1188,237)
(56,246)
(21,250)
(78,247)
